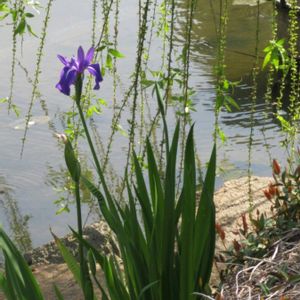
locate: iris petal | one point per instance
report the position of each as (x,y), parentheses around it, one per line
(80,54)
(62,59)
(94,69)
(68,77)
(80,60)
(71,77)
(74,67)
(90,55)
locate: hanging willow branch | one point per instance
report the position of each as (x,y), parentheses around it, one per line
(37,71)
(171,45)
(294,77)
(220,73)
(186,76)
(17,4)
(141,41)
(270,83)
(255,71)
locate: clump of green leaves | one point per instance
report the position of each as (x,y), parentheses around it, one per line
(166,244)
(111,54)
(224,96)
(17,282)
(19,14)
(276,56)
(175,79)
(14,107)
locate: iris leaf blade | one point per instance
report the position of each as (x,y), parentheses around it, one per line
(188,219)
(204,245)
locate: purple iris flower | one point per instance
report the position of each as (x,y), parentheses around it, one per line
(75,67)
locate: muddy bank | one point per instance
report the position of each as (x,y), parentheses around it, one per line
(98,235)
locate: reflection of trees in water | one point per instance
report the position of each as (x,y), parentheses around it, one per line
(59,179)
(240,39)
(18,223)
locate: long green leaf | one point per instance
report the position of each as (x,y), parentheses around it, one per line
(138,257)
(110,213)
(204,237)
(19,277)
(168,226)
(14,281)
(163,115)
(187,224)
(157,199)
(58,294)
(147,287)
(107,269)
(69,259)
(156,188)
(143,196)
(6,288)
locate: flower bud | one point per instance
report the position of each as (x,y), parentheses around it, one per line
(62,137)
(245,225)
(268,195)
(272,189)
(72,162)
(276,167)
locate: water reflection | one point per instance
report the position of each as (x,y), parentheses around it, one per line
(239,61)
(18,223)
(241,34)
(61,182)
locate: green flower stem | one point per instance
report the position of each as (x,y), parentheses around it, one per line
(84,271)
(78,90)
(78,98)
(79,225)
(83,267)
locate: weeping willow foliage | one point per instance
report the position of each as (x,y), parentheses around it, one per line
(37,70)
(16,7)
(255,71)
(293,106)
(132,112)
(282,89)
(220,68)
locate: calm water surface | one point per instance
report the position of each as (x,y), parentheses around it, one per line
(26,194)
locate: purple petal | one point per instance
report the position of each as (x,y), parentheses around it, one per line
(68,77)
(94,69)
(73,64)
(71,77)
(80,60)
(63,59)
(63,89)
(80,54)
(90,55)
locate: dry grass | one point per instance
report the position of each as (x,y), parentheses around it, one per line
(275,276)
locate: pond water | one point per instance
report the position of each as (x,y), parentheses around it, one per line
(27,195)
